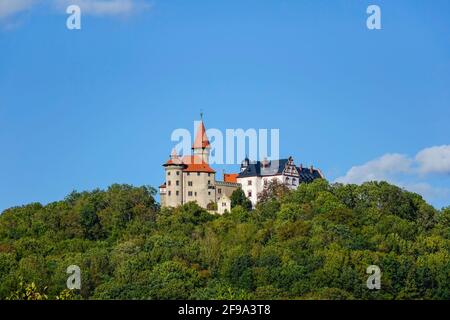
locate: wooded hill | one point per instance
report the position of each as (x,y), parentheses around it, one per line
(312,243)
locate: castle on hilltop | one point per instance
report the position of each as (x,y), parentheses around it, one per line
(190,178)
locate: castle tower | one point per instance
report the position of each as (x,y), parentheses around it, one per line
(174,181)
(201,147)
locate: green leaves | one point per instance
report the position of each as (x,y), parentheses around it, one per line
(238,198)
(311,243)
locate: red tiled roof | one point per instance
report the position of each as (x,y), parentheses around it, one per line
(191,164)
(201,139)
(230,177)
(174,158)
(196,164)
(199,168)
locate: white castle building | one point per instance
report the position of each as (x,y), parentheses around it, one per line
(254,176)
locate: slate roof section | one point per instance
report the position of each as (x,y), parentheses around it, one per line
(276,167)
(305,174)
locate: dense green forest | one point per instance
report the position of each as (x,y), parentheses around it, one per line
(312,243)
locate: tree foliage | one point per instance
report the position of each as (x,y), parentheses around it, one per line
(315,242)
(238,198)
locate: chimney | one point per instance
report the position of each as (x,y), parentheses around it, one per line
(311,169)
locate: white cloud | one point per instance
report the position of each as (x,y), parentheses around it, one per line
(406,172)
(434,160)
(381,169)
(106,7)
(9,8)
(427,190)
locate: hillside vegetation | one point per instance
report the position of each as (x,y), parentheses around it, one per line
(312,243)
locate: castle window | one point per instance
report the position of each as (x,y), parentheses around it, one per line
(190,183)
(249,194)
(209,174)
(265,182)
(188,173)
(249,182)
(224,204)
(209,193)
(209,182)
(287,180)
(169,183)
(168,173)
(190,193)
(178,193)
(219,190)
(178,182)
(170,193)
(195,193)
(198,173)
(178,173)
(294,181)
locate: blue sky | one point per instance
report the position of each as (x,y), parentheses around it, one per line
(88,108)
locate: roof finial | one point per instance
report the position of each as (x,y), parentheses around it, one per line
(201,114)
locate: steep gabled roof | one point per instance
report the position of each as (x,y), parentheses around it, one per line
(308,175)
(256,169)
(276,167)
(201,139)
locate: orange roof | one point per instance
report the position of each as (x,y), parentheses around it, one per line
(174,158)
(196,164)
(191,164)
(172,161)
(199,168)
(231,177)
(201,139)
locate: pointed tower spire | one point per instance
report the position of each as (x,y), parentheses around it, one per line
(201,146)
(201,139)
(174,155)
